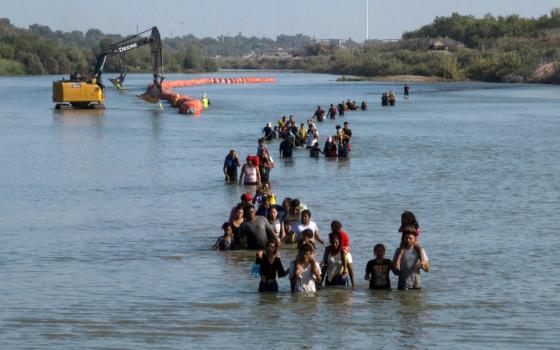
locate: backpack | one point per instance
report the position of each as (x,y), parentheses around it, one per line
(230,163)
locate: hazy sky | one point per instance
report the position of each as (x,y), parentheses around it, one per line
(319,18)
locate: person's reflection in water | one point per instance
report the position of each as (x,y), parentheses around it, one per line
(412,306)
(338,296)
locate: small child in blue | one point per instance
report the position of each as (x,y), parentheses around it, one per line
(225,242)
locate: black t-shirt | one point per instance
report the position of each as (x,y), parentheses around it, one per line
(379,278)
(269,270)
(237,241)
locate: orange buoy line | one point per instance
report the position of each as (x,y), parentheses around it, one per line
(190,105)
(185,104)
(210,81)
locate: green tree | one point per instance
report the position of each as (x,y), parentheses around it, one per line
(192,57)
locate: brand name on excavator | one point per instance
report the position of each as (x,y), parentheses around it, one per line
(128,47)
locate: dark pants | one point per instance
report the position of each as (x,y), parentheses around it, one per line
(265,287)
(337,281)
(265,174)
(232,173)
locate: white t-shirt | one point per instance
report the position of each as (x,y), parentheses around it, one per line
(277,224)
(311,139)
(301,227)
(335,267)
(306,283)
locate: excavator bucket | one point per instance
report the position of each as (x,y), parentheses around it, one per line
(152,95)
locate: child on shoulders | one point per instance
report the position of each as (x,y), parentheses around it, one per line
(413,258)
(408,219)
(307,237)
(336,228)
(305,272)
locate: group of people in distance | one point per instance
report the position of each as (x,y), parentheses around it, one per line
(339,109)
(337,145)
(266,231)
(389,98)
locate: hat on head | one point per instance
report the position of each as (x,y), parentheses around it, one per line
(246,197)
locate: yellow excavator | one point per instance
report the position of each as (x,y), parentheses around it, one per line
(88,91)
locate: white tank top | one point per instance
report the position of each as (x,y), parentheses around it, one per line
(250,174)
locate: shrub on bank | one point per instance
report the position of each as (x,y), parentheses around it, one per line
(10,67)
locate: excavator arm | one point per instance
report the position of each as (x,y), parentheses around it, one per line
(121,48)
(87,91)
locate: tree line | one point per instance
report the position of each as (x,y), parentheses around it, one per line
(457,47)
(41,50)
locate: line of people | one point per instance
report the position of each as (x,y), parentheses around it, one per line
(257,168)
(259,223)
(337,145)
(339,109)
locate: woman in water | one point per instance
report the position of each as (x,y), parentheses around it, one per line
(270,267)
(250,174)
(277,223)
(329,150)
(304,271)
(231,163)
(236,221)
(337,264)
(265,160)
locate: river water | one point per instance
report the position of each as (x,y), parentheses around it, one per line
(107,218)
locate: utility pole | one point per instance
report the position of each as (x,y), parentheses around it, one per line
(367,20)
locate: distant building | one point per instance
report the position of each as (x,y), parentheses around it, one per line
(438,45)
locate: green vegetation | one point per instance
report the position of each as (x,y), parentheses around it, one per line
(499,49)
(40,50)
(502,49)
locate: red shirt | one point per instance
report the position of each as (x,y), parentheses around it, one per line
(344,240)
